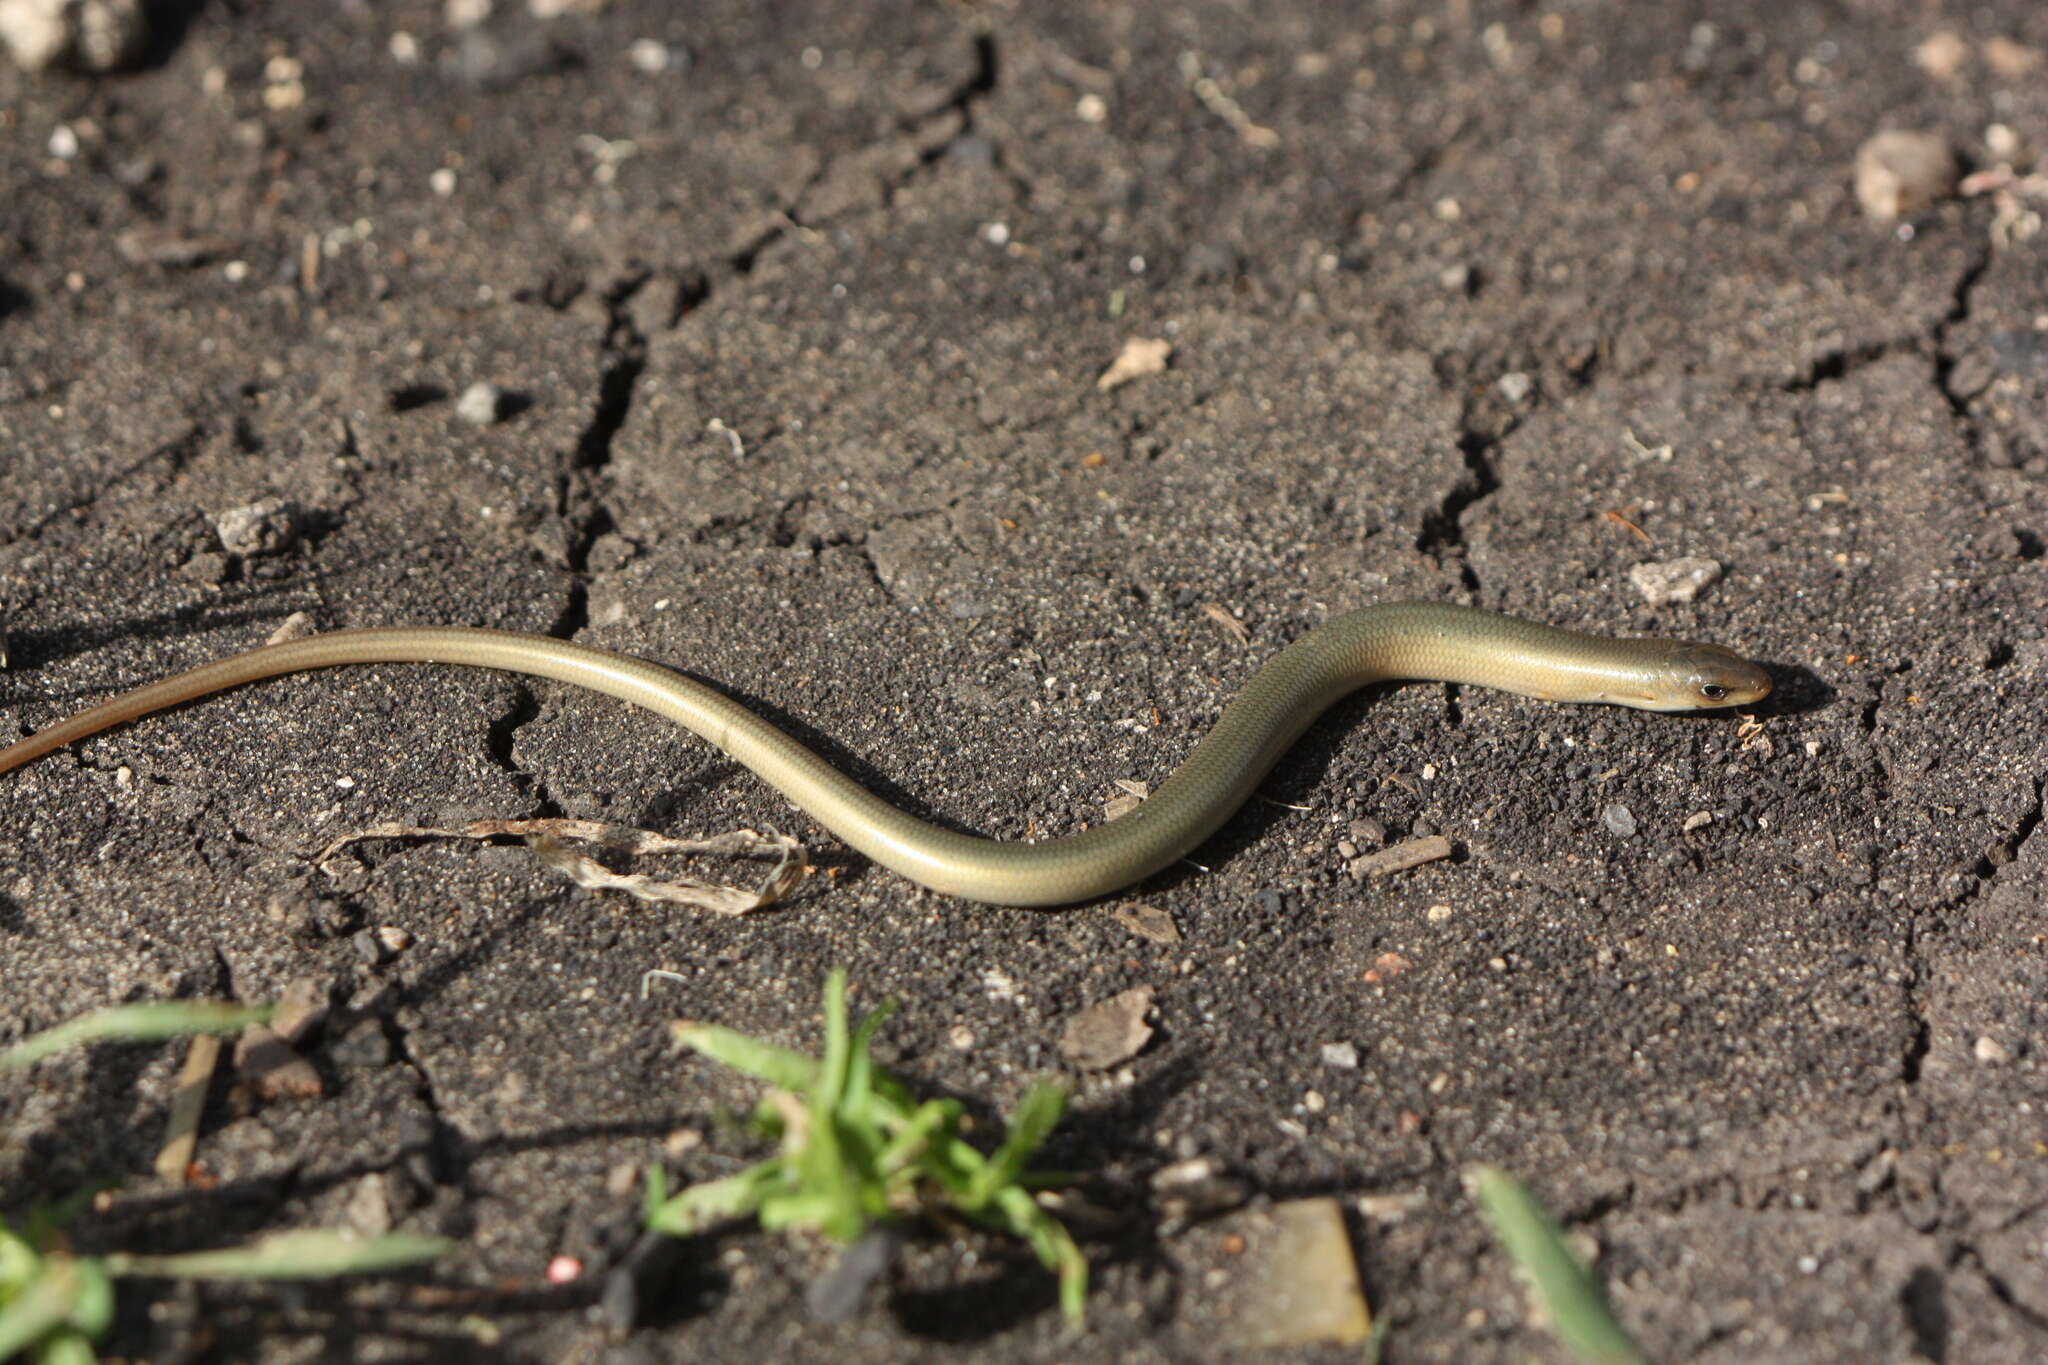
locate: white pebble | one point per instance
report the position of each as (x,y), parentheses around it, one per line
(1899,174)
(650,56)
(1991,1052)
(81,35)
(1674,580)
(481,404)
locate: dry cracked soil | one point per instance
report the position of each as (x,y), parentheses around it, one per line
(795,314)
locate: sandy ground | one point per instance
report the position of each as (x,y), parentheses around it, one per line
(799,330)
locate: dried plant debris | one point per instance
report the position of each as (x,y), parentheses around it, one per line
(1234,628)
(188,1103)
(548,839)
(1401,857)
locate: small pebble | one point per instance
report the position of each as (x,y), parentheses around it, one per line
(271,1068)
(1148,921)
(364,1045)
(267,526)
(74,35)
(1109,1032)
(209,568)
(1514,386)
(370,948)
(1899,173)
(1392,1208)
(1195,1187)
(1343,1056)
(651,56)
(301,1008)
(481,404)
(1991,1052)
(294,627)
(1674,580)
(1620,819)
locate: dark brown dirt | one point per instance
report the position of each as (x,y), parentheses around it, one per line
(1489,273)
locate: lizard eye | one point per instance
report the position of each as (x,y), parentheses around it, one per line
(1713,691)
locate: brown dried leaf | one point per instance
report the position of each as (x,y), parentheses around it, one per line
(1147,921)
(1108,1032)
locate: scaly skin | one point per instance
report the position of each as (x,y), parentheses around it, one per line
(1415,640)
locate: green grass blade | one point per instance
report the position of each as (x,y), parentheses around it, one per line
(1018,1214)
(779,1066)
(302,1254)
(66,1346)
(831,1082)
(149,1021)
(1030,1126)
(913,1139)
(714,1201)
(19,1262)
(45,1304)
(860,1064)
(1568,1292)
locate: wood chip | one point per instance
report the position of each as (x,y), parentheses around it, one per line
(1108,1032)
(1140,356)
(1401,857)
(1147,921)
(188,1102)
(1296,1279)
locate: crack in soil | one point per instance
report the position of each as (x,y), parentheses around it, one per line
(580,498)
(1944,356)
(1443,532)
